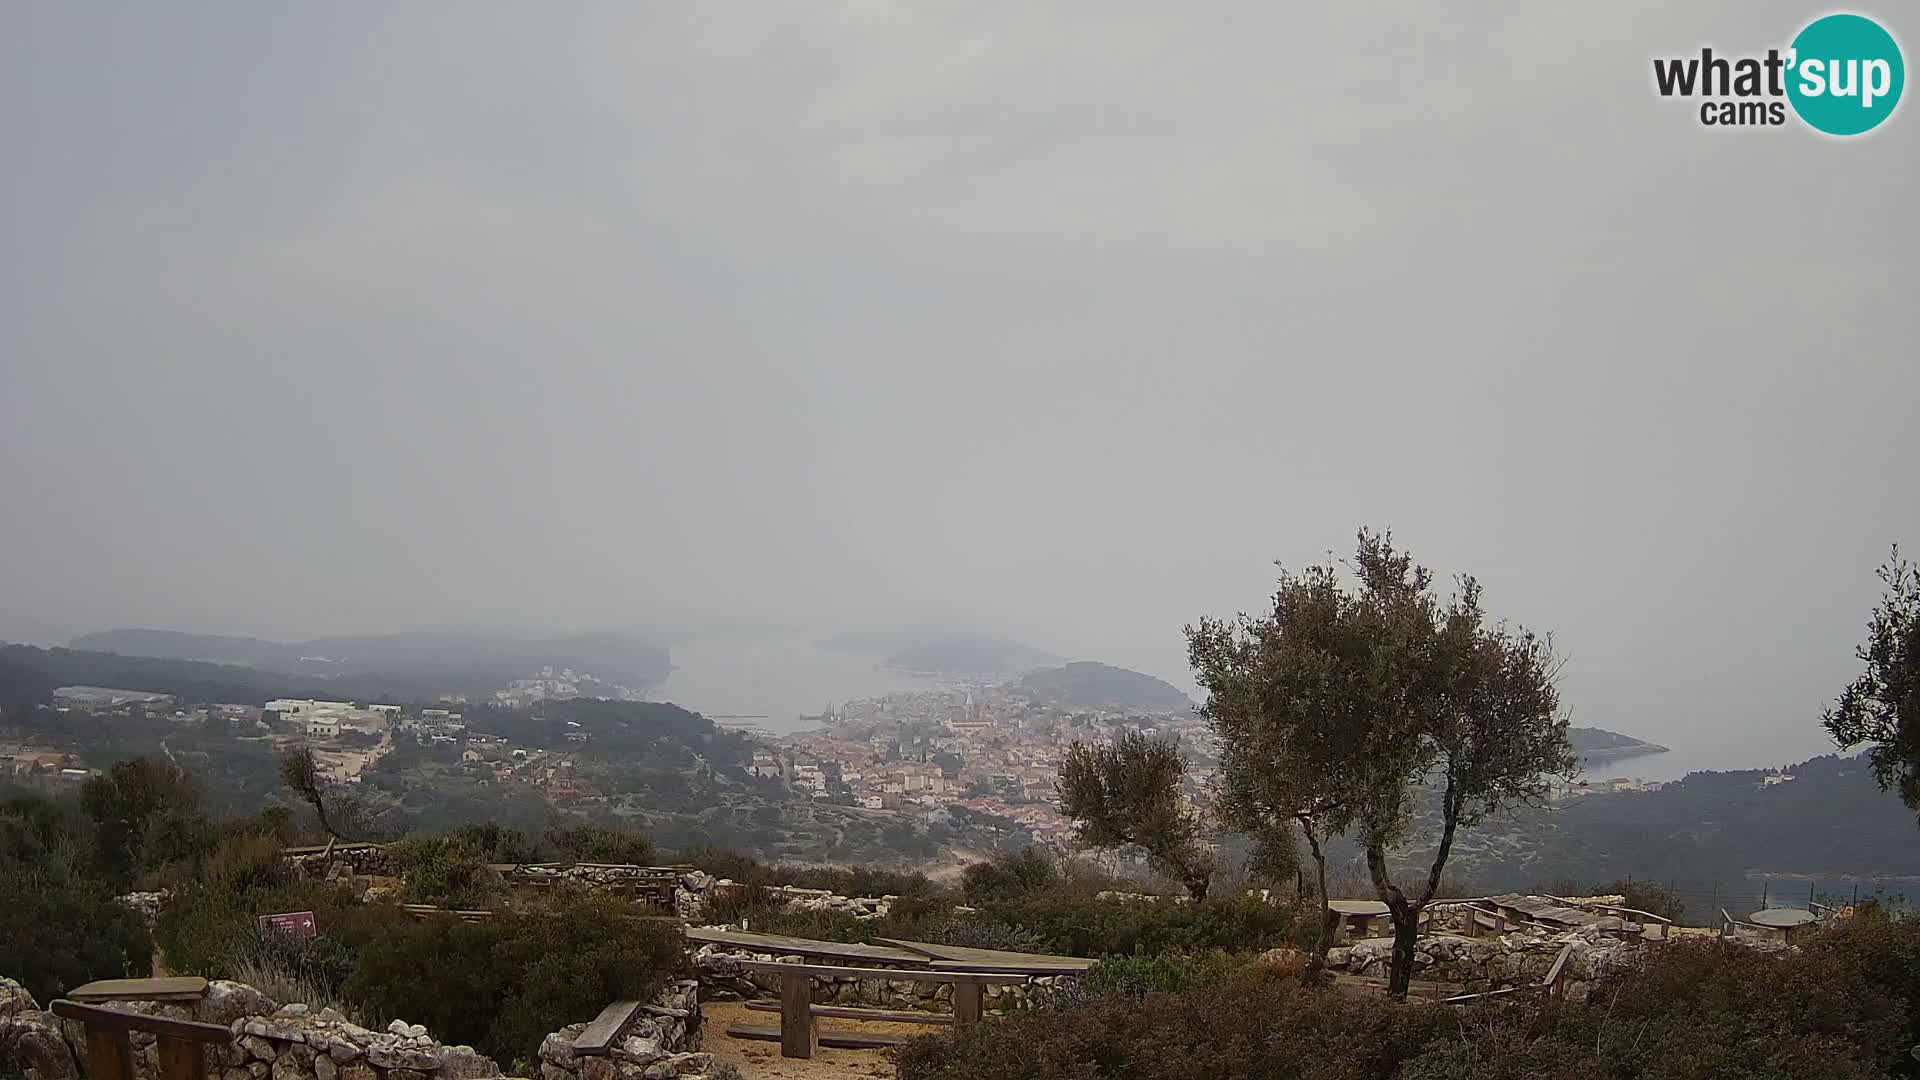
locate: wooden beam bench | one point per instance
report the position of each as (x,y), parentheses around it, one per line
(182,1043)
(850,1012)
(606,1029)
(181,988)
(799,1035)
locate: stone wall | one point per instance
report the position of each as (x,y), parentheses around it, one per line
(723,979)
(662,1042)
(294,1042)
(284,1042)
(1495,963)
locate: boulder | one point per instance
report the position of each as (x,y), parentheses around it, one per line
(463,1063)
(227,1001)
(33,1041)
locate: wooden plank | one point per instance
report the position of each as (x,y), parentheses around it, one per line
(780,943)
(1036,970)
(849,1012)
(969,1002)
(113,1019)
(835,1040)
(829,971)
(109,1055)
(182,988)
(182,1059)
(605,1029)
(799,1033)
(942,956)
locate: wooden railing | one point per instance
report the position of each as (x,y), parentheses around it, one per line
(798,1033)
(182,1043)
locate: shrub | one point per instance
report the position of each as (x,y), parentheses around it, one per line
(446,871)
(603,843)
(1009,875)
(503,984)
(1138,976)
(1689,1010)
(55,936)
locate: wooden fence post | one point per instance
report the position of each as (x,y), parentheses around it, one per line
(798,1033)
(969,1001)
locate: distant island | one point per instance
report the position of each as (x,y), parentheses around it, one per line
(1599,744)
(943,653)
(1090,685)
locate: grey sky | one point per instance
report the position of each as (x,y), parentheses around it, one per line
(1064,321)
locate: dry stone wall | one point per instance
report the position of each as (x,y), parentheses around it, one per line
(295,1042)
(1495,963)
(662,1042)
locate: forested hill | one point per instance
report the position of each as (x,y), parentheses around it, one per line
(1090,685)
(1830,820)
(1597,744)
(419,664)
(28,676)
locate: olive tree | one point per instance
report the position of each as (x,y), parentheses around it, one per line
(1273,702)
(1366,708)
(1882,706)
(1127,793)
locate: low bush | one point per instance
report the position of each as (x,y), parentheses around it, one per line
(503,984)
(1169,972)
(1688,1011)
(446,871)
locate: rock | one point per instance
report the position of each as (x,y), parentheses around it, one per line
(558,1047)
(550,1071)
(258,1047)
(227,1001)
(399,1027)
(14,998)
(238,1072)
(463,1063)
(359,1070)
(258,1069)
(418,1031)
(1337,958)
(288,1067)
(394,1056)
(692,1064)
(637,1049)
(324,1068)
(33,1041)
(406,1074)
(343,1051)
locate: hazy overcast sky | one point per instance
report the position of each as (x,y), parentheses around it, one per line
(1064,321)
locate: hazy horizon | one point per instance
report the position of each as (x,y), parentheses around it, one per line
(1058,323)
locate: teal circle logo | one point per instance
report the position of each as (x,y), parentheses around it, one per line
(1846,74)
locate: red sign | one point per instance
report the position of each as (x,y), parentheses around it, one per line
(297,924)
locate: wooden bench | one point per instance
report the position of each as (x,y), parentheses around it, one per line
(606,1029)
(798,1033)
(182,988)
(182,1043)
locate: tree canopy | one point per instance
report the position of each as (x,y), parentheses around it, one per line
(1339,707)
(1882,706)
(1127,792)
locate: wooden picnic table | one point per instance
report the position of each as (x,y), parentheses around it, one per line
(798,1033)
(1783,919)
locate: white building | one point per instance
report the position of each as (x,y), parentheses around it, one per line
(322,727)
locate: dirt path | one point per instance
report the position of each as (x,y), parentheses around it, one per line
(762,1061)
